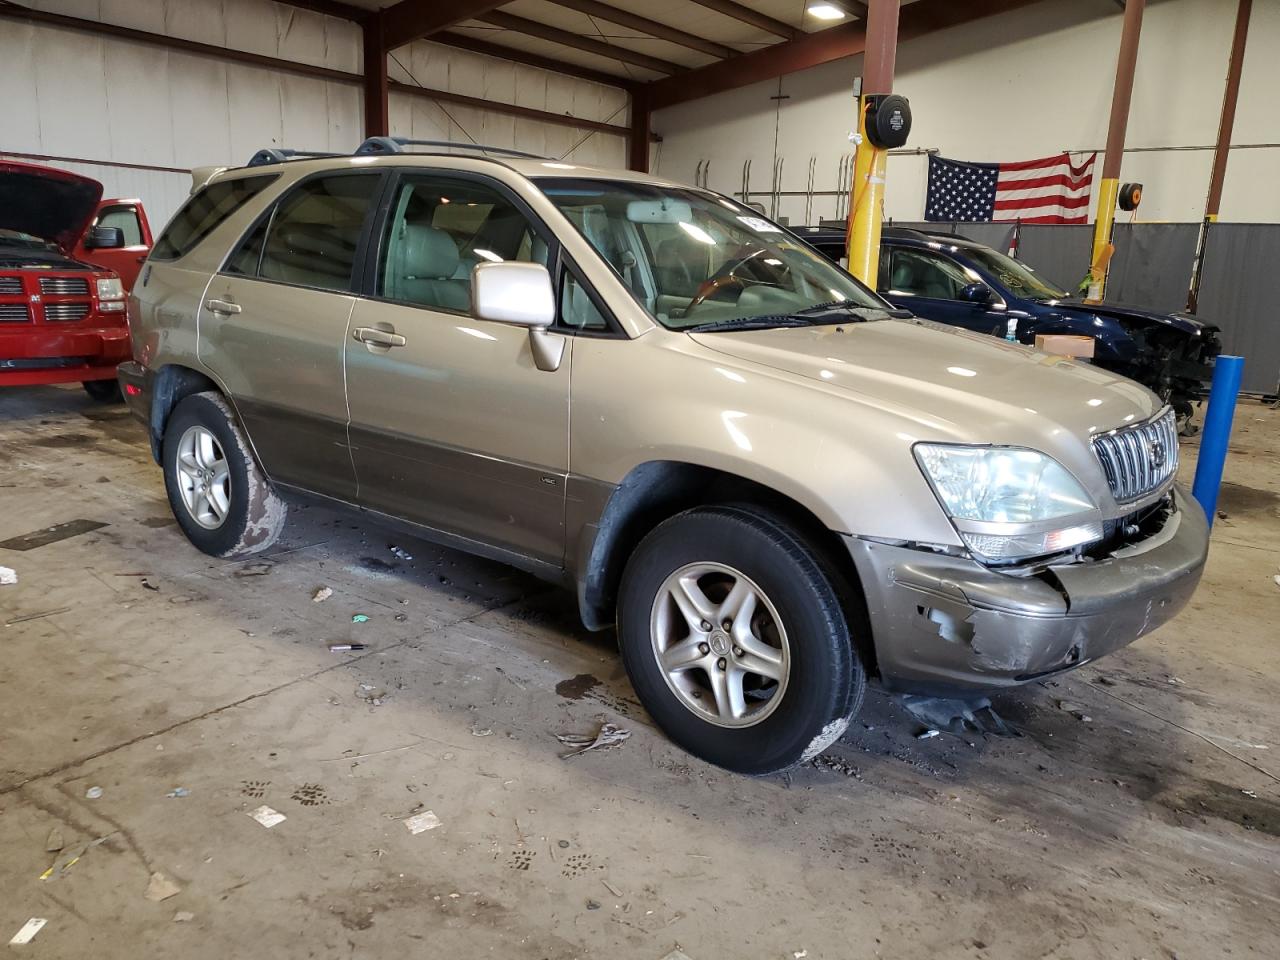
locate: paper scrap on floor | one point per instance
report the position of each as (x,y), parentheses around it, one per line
(421,822)
(28,931)
(267,817)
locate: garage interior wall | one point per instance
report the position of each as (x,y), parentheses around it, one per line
(136,103)
(1021,85)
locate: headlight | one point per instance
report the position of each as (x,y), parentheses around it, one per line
(1009,503)
(110,288)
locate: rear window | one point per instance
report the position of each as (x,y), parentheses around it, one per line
(201,214)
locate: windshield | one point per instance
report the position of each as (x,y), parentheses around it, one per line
(693,259)
(1020,279)
(16,238)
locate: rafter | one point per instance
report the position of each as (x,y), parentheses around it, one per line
(746,15)
(812,49)
(331,8)
(411,20)
(653,28)
(465,41)
(612,51)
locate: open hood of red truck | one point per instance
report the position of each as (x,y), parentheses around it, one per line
(50,204)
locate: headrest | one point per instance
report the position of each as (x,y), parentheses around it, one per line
(429,253)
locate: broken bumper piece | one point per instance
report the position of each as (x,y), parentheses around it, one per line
(944,623)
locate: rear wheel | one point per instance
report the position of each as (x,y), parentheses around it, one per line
(104,391)
(736,642)
(218,494)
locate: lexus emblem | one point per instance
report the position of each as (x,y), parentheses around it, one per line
(1156,453)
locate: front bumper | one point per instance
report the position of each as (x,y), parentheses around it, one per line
(41,353)
(943,624)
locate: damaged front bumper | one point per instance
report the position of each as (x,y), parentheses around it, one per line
(946,623)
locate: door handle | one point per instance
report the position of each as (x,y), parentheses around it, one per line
(374,337)
(222,306)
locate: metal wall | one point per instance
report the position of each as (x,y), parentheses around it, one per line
(1240,291)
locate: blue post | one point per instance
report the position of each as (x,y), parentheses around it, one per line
(1217,431)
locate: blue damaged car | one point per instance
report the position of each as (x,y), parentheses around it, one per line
(953,280)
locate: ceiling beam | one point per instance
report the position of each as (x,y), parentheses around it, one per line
(465,41)
(758,20)
(612,51)
(411,20)
(510,109)
(812,49)
(653,28)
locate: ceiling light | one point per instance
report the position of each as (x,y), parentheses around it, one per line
(826,11)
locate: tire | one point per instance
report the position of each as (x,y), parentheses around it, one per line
(103,391)
(816,681)
(239,514)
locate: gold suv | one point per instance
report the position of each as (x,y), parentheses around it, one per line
(772,483)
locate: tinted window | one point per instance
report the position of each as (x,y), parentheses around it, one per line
(577,310)
(315,231)
(126,220)
(245,258)
(927,275)
(203,212)
(439,229)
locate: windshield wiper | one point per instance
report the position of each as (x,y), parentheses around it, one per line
(763,322)
(850,309)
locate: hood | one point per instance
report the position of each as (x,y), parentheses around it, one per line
(1126,313)
(55,205)
(966,386)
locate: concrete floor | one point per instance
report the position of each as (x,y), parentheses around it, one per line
(1149,830)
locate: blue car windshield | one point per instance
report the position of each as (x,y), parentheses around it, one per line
(1017,277)
(693,258)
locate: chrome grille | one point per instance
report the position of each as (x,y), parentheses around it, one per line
(65,312)
(10,286)
(1140,459)
(66,286)
(14,313)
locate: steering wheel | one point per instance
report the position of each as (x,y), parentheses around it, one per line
(724,277)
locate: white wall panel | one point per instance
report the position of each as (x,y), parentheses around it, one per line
(140,124)
(71,93)
(1021,85)
(199,112)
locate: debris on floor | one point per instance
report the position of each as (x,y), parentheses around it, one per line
(161,887)
(149,585)
(183,916)
(421,822)
(928,734)
(677,954)
(399,553)
(93,793)
(254,570)
(8,576)
(28,931)
(178,793)
(360,618)
(371,694)
(345,647)
(612,889)
(54,534)
(607,736)
(321,595)
(958,715)
(55,841)
(267,817)
(1075,710)
(69,860)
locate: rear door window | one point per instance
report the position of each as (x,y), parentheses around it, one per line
(315,233)
(202,214)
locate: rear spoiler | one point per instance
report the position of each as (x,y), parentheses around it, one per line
(201,176)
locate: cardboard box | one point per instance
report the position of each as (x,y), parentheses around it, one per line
(1065,345)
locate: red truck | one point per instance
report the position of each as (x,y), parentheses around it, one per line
(67,261)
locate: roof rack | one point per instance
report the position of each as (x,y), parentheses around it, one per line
(385,145)
(270,155)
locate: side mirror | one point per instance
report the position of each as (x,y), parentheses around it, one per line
(977,294)
(104,238)
(519,294)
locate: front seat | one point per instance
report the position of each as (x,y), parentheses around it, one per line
(424,269)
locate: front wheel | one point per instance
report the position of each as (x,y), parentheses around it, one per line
(736,642)
(218,494)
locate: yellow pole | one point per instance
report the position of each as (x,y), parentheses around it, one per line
(867,199)
(1108,194)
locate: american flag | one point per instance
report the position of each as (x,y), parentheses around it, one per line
(1049,190)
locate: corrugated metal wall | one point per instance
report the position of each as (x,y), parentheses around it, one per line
(72,94)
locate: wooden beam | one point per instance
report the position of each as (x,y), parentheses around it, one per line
(812,49)
(758,20)
(465,41)
(411,20)
(542,31)
(602,11)
(1227,118)
(377,111)
(511,109)
(638,138)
